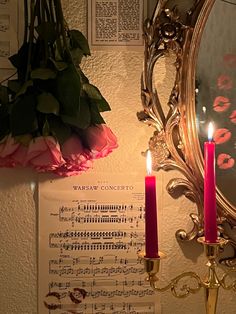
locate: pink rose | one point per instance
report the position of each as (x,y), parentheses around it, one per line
(101,140)
(44,154)
(19,157)
(76,156)
(12,154)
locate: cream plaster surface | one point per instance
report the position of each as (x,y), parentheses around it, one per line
(117,74)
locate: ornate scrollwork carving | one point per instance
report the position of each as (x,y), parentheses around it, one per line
(167,32)
(176,32)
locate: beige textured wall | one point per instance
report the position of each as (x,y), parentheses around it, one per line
(117,74)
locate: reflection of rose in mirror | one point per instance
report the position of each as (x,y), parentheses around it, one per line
(233,117)
(221,104)
(224,82)
(222,135)
(225,161)
(230,60)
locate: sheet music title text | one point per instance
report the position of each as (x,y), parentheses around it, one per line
(103,187)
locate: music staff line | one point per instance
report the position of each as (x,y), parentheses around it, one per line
(119,293)
(99,283)
(95,246)
(4,2)
(69,272)
(102,208)
(102,219)
(95,235)
(101,260)
(109,307)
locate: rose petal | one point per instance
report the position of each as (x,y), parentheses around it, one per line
(101,140)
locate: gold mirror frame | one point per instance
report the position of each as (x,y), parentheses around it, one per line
(176,28)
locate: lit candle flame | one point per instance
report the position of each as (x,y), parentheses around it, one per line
(149,163)
(210,131)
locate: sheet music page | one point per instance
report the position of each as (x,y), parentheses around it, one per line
(90,230)
(9,24)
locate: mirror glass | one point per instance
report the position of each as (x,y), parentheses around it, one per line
(215,90)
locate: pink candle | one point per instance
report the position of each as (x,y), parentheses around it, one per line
(150,212)
(210,223)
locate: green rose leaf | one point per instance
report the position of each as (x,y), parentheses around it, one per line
(84,78)
(58,129)
(68,88)
(82,119)
(23,118)
(24,87)
(14,85)
(95,95)
(43,74)
(58,65)
(3,95)
(78,40)
(47,31)
(4,121)
(46,129)
(92,91)
(77,55)
(19,60)
(96,117)
(103,105)
(47,103)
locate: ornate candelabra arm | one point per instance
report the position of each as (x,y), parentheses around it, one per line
(152,266)
(178,290)
(211,283)
(232,284)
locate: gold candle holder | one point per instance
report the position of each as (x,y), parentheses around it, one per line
(151,265)
(211,283)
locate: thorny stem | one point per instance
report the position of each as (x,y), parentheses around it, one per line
(60,20)
(31,36)
(38,12)
(26,20)
(45,11)
(6,79)
(51,10)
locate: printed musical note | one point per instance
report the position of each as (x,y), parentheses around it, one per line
(4,22)
(4,2)
(4,49)
(9,24)
(108,308)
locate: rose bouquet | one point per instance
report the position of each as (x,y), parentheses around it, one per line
(50,116)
